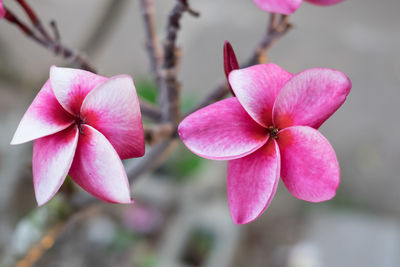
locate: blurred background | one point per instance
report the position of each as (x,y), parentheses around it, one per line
(181,216)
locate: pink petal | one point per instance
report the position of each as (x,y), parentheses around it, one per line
(310,169)
(2,9)
(98,169)
(310,98)
(222,131)
(113,109)
(257,87)
(279,6)
(71,86)
(45,116)
(52,159)
(252,182)
(324,2)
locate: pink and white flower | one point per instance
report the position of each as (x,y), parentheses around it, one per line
(289,6)
(269,130)
(83,124)
(2,9)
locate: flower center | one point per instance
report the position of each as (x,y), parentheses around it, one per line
(273,132)
(79,121)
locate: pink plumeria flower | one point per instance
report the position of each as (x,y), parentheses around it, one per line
(2,9)
(269,130)
(83,124)
(289,6)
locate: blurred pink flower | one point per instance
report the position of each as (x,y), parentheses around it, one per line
(270,130)
(142,218)
(83,124)
(2,9)
(289,6)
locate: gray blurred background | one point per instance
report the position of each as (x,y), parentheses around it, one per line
(181,216)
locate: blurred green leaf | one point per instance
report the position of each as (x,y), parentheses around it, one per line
(146,89)
(123,239)
(183,164)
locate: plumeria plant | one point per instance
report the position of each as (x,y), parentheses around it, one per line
(263,119)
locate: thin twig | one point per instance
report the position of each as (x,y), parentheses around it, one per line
(45,39)
(215,95)
(152,43)
(171,87)
(274,33)
(151,159)
(56,32)
(10,17)
(150,111)
(159,132)
(34,19)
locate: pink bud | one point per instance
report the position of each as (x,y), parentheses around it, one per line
(230,61)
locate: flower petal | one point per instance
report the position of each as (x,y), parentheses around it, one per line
(222,131)
(2,9)
(98,169)
(45,116)
(324,2)
(71,86)
(113,109)
(52,159)
(310,98)
(279,6)
(252,182)
(257,87)
(310,169)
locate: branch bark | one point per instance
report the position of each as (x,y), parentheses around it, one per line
(152,44)
(275,30)
(43,38)
(170,87)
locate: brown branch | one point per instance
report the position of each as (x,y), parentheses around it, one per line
(171,87)
(54,45)
(149,110)
(215,95)
(152,159)
(275,31)
(152,43)
(34,19)
(10,17)
(45,39)
(159,132)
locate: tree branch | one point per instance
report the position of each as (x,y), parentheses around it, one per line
(152,43)
(171,87)
(149,110)
(275,31)
(45,39)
